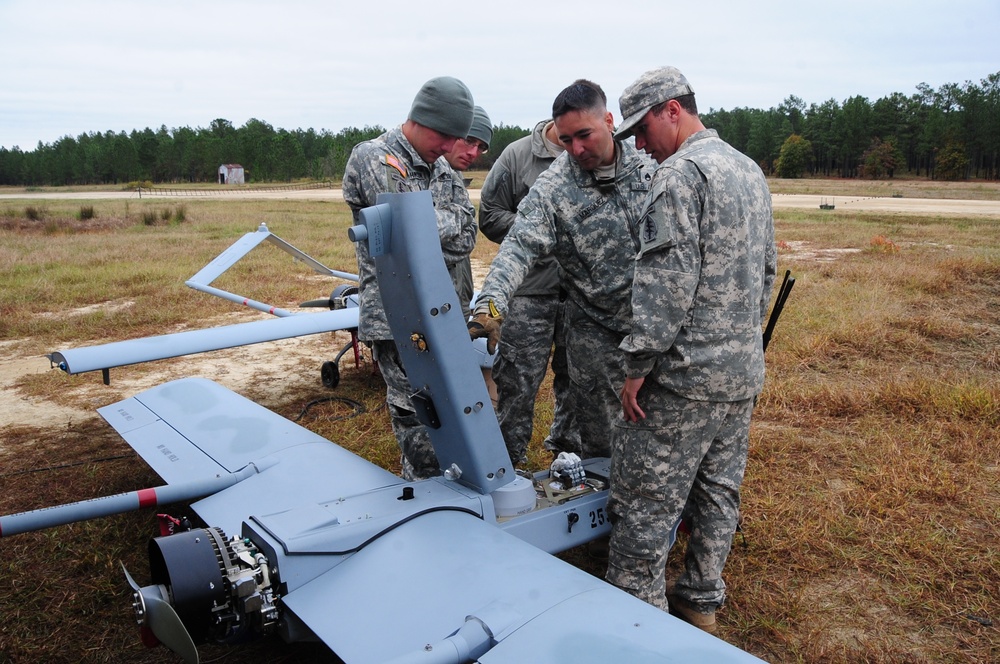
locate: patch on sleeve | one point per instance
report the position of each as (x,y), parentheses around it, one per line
(656,231)
(649,230)
(392,161)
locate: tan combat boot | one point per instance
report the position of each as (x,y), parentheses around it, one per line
(687,612)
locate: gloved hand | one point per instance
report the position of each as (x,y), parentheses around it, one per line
(484,325)
(485,322)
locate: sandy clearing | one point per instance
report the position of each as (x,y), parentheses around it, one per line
(19,410)
(268,369)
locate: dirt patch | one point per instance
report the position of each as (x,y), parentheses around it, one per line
(263,372)
(20,410)
(480,269)
(107,307)
(808,251)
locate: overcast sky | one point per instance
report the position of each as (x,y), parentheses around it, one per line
(74,67)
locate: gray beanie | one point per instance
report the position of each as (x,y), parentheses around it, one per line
(445,105)
(482,127)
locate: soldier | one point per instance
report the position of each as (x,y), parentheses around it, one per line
(694,357)
(466,151)
(582,210)
(410,158)
(532,326)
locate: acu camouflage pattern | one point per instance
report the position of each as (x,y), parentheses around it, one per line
(461,279)
(532,331)
(596,377)
(416,450)
(506,185)
(653,87)
(704,275)
(367,175)
(590,231)
(457,227)
(389,163)
(533,324)
(655,461)
(448,196)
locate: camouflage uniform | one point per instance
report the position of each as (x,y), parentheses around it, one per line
(390,163)
(461,278)
(452,198)
(589,228)
(703,279)
(533,325)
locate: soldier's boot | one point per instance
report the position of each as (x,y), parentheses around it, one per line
(599,549)
(689,613)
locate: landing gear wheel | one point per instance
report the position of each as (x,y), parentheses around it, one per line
(330,374)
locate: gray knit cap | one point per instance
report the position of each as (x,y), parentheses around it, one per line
(482,127)
(445,105)
(653,87)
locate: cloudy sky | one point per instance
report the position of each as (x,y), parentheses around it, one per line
(72,67)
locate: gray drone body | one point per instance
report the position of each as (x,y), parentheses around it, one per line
(307,540)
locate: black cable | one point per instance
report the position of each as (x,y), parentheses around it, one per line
(390,528)
(359,408)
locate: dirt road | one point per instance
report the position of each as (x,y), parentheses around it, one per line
(930,206)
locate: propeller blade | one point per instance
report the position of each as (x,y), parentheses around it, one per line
(154,611)
(167,625)
(128,577)
(318,303)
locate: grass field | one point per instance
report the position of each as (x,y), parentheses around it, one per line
(871,505)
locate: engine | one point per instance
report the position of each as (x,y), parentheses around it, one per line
(221,590)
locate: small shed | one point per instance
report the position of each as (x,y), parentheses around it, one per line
(231,174)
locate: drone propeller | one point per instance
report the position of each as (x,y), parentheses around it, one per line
(338,298)
(328,303)
(154,611)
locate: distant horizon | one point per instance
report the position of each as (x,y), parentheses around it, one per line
(702,111)
(123,66)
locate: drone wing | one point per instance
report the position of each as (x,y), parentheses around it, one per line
(193,429)
(443,580)
(148,349)
(413,594)
(343,316)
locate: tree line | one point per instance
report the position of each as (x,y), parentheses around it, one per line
(949,133)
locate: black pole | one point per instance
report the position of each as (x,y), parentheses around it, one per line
(779,304)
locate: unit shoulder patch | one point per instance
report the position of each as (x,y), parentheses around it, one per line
(391,160)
